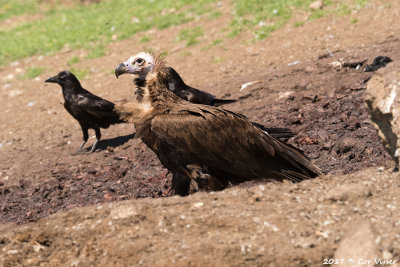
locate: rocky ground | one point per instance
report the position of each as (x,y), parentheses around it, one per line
(309,79)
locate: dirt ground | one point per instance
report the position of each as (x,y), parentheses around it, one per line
(298,86)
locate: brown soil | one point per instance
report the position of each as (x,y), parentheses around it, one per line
(321,103)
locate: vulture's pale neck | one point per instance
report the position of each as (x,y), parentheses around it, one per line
(152,98)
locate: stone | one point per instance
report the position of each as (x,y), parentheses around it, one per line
(316,5)
(348,192)
(382,99)
(358,244)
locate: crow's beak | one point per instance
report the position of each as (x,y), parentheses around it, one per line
(53,79)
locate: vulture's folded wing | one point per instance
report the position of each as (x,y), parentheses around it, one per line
(224,141)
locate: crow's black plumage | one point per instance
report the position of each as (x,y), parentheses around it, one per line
(91,111)
(184,91)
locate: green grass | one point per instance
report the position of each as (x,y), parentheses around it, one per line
(215,14)
(145,39)
(265,16)
(73,60)
(97,51)
(10,8)
(362,3)
(80,73)
(298,24)
(33,72)
(217,59)
(189,36)
(213,43)
(93,26)
(185,53)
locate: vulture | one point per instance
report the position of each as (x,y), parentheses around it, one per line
(142,63)
(206,147)
(91,111)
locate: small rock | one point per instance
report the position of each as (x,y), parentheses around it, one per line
(347,192)
(309,69)
(12,252)
(38,248)
(13,93)
(294,63)
(198,205)
(336,65)
(346,144)
(107,197)
(358,242)
(316,5)
(9,77)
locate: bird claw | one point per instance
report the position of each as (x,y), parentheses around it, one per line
(94,146)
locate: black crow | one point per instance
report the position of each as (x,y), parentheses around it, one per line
(91,111)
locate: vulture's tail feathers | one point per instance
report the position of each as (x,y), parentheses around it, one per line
(218,102)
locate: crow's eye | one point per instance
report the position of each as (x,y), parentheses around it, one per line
(139,60)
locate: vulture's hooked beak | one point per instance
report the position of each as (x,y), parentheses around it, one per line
(125,67)
(53,79)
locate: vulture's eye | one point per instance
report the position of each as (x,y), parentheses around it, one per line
(139,60)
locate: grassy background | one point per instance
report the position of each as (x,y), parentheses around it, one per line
(9,8)
(93,27)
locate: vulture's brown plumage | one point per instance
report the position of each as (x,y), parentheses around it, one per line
(210,146)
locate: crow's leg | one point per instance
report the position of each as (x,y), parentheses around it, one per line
(98,136)
(85,138)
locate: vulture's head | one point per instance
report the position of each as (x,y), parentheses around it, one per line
(140,64)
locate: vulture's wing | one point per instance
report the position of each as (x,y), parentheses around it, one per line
(226,142)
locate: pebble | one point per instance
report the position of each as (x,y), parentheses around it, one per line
(316,5)
(294,63)
(9,77)
(198,205)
